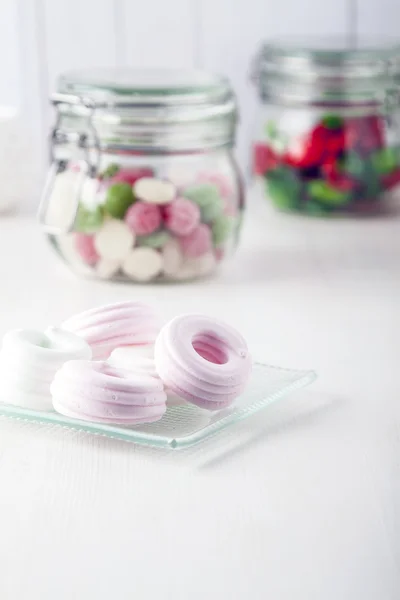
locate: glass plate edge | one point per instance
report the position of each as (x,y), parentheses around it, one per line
(18,413)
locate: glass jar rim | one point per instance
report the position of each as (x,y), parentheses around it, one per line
(337,49)
(319,69)
(157,109)
(122,87)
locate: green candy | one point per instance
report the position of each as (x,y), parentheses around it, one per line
(371,181)
(314,209)
(222,228)
(88,221)
(384,161)
(284,188)
(326,194)
(332,122)
(119,199)
(353,165)
(155,240)
(110,171)
(271,130)
(206,196)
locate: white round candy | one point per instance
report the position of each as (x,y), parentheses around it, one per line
(172,257)
(180,176)
(106,268)
(92,193)
(114,240)
(205,264)
(197,267)
(61,209)
(142,264)
(153,190)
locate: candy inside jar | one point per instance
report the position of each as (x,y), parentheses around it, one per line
(333,143)
(146,214)
(141,225)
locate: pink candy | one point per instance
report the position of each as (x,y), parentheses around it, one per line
(197,243)
(85,247)
(143,218)
(219,254)
(222,183)
(182,216)
(225,189)
(131,175)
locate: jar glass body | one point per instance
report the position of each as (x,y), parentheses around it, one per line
(147,217)
(327,159)
(328,132)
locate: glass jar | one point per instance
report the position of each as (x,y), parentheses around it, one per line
(143,185)
(328,135)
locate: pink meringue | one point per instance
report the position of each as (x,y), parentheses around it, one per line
(108,327)
(202,360)
(98,391)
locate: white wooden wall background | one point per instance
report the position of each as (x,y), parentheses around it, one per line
(41,38)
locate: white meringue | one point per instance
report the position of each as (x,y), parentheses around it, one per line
(29,360)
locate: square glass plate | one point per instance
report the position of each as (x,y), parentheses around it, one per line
(184,425)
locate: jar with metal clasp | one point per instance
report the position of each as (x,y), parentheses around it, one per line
(143,185)
(327,139)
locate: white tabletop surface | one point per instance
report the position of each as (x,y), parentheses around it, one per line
(299,503)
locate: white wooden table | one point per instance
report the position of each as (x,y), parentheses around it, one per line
(300,503)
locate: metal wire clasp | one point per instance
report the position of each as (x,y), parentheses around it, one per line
(57,214)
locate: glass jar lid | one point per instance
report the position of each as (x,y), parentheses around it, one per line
(158,110)
(318,70)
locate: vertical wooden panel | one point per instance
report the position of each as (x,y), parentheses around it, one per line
(79,34)
(159,33)
(231,33)
(10,75)
(56,36)
(378,18)
(33,103)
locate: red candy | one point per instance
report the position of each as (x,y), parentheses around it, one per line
(364,134)
(197,243)
(334,143)
(85,246)
(264,159)
(143,218)
(336,178)
(181,216)
(131,175)
(392,180)
(323,143)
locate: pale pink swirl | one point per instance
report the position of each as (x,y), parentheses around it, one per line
(121,324)
(203,360)
(98,391)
